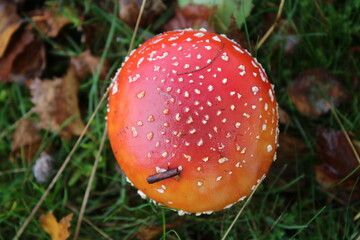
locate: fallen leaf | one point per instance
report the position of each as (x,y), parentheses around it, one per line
(191,16)
(43,168)
(56,102)
(57,230)
(26,140)
(313,89)
(49,22)
(129,11)
(336,161)
(86,63)
(24,57)
(10,22)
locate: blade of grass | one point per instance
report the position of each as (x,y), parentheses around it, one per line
(241,210)
(88,188)
(272,28)
(72,208)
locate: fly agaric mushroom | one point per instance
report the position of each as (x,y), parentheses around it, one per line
(193,121)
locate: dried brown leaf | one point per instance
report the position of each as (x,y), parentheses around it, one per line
(57,230)
(9,24)
(336,161)
(191,16)
(312,89)
(86,63)
(48,22)
(56,102)
(129,11)
(26,140)
(24,57)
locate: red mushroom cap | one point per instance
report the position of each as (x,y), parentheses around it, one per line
(199,103)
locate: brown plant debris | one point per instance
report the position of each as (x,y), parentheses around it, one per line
(57,230)
(56,102)
(313,89)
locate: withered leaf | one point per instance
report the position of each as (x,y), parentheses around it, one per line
(335,160)
(24,57)
(9,23)
(313,89)
(48,22)
(27,138)
(191,16)
(129,11)
(57,230)
(86,63)
(56,102)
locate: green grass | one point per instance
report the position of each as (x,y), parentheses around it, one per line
(284,207)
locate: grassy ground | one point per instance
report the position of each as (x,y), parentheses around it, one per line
(290,204)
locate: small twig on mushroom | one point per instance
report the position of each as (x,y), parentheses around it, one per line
(271,29)
(163,175)
(212,60)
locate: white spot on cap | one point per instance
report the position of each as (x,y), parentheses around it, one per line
(205,159)
(189,120)
(139,123)
(134,132)
(188,157)
(199,183)
(133,79)
(142,195)
(200,142)
(269,148)
(141,94)
(223,159)
(224,81)
(140,61)
(149,135)
(210,88)
(218,178)
(238,49)
(216,38)
(160,190)
(237,124)
(199,34)
(271,95)
(255,90)
(173,38)
(177,117)
(164,154)
(225,57)
(208,47)
(192,131)
(151,118)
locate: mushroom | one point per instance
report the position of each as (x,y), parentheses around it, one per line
(192,121)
